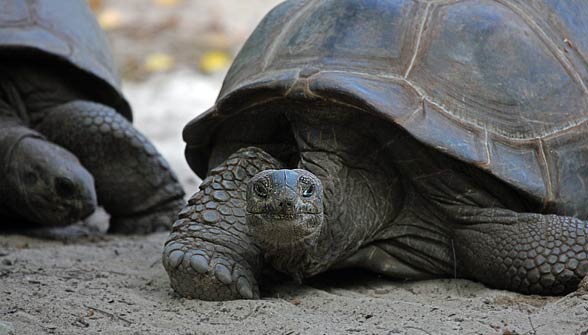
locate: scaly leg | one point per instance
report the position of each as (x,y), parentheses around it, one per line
(134,183)
(209,254)
(525,252)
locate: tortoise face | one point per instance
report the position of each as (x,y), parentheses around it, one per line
(49,184)
(284,208)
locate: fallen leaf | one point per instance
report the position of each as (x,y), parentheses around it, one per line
(214,61)
(158,62)
(95,4)
(110,18)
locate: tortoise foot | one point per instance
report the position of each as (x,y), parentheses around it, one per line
(209,254)
(198,271)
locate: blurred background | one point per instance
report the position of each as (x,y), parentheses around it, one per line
(173,55)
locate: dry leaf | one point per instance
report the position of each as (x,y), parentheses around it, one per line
(158,62)
(110,18)
(214,61)
(95,4)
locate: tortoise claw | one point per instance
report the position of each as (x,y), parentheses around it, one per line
(244,288)
(223,274)
(199,263)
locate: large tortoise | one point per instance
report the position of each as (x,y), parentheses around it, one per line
(416,139)
(66,139)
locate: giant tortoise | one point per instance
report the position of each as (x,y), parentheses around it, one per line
(66,139)
(413,138)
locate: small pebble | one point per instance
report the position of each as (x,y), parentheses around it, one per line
(6,328)
(583,286)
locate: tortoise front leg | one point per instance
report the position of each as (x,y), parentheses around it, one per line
(134,183)
(209,254)
(525,252)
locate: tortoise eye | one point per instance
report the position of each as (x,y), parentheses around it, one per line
(260,189)
(309,191)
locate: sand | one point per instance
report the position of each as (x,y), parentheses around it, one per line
(117,285)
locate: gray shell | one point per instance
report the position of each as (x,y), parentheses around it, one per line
(68,31)
(499,84)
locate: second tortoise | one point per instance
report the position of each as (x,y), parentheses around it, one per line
(67,143)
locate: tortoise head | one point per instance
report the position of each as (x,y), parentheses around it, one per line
(284,209)
(48,184)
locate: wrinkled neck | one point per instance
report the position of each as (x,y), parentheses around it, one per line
(361,188)
(349,221)
(307,258)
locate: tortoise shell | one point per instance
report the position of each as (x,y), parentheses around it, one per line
(498,84)
(62,31)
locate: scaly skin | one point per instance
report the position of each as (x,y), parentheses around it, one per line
(524,252)
(209,254)
(133,181)
(459,227)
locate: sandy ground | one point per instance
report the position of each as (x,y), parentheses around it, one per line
(117,285)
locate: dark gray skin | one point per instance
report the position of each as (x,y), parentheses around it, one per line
(47,184)
(284,209)
(63,155)
(442,150)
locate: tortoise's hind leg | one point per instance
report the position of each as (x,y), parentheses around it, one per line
(209,254)
(525,252)
(134,183)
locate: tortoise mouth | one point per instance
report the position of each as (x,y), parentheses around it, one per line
(278,230)
(275,219)
(282,217)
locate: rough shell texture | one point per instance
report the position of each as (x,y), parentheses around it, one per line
(67,31)
(500,84)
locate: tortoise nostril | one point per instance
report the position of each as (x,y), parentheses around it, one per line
(64,187)
(286,204)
